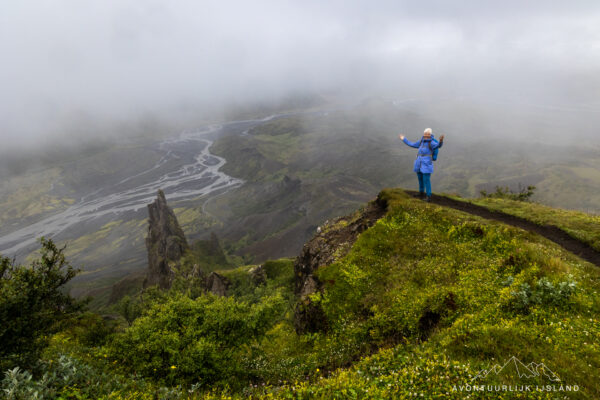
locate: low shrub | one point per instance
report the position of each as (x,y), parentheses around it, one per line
(523,194)
(194,340)
(522,296)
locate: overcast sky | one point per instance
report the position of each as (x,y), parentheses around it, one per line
(119,58)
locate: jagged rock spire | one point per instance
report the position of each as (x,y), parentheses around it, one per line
(165,242)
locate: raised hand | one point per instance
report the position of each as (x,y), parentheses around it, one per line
(401,136)
(442,138)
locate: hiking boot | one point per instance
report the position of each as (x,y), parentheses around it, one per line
(421,195)
(428,199)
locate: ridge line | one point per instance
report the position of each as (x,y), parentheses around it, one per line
(550,232)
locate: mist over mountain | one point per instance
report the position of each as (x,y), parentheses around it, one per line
(86,71)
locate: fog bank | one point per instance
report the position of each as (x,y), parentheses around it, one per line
(67,62)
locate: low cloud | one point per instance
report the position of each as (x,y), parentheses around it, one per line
(68,60)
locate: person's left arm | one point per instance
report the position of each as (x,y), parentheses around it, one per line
(435,144)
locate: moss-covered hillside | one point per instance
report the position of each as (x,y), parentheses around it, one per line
(580,225)
(429,302)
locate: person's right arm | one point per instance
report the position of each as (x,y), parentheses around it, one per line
(409,143)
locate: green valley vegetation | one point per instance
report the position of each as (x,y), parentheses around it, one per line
(426,302)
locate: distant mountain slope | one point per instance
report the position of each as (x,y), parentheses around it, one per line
(342,158)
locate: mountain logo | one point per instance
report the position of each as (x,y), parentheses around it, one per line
(513,364)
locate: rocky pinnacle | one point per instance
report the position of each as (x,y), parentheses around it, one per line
(165,242)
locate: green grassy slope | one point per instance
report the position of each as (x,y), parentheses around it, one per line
(580,225)
(443,295)
(426,299)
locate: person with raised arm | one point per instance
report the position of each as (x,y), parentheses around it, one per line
(426,155)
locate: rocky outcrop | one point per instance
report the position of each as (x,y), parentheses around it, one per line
(197,273)
(258,275)
(165,242)
(332,241)
(217,284)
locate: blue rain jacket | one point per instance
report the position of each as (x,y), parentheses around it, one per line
(424,162)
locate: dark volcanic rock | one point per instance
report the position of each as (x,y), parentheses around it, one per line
(309,317)
(331,242)
(165,242)
(217,284)
(197,277)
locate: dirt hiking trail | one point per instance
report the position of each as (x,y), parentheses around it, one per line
(551,232)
